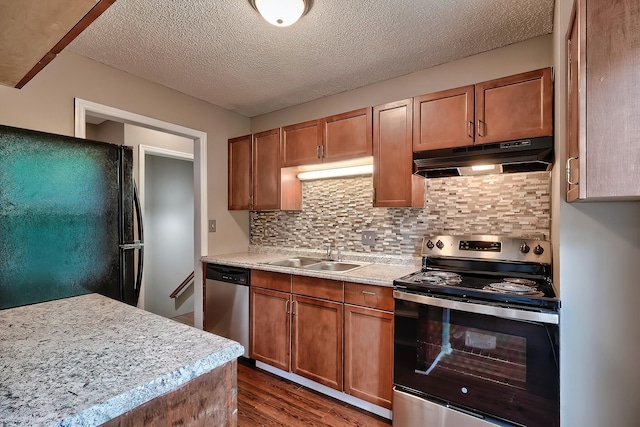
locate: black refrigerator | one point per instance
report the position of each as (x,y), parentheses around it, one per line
(67,213)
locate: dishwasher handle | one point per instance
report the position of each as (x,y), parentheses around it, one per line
(223,273)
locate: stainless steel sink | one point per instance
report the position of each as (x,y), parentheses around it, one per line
(316,264)
(336,266)
(297,262)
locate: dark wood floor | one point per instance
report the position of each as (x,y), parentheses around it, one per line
(267,400)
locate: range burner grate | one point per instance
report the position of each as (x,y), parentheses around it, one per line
(442,278)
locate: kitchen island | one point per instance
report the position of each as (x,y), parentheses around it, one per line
(90,361)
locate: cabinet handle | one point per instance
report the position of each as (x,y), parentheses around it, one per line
(286,306)
(293,311)
(568,170)
(317,151)
(470,129)
(369,293)
(322,150)
(479,127)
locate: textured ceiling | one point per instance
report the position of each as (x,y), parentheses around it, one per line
(223,52)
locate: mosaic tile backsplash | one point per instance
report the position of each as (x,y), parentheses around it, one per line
(336,211)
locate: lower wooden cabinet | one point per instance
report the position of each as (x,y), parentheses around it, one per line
(368,354)
(334,333)
(316,340)
(270,325)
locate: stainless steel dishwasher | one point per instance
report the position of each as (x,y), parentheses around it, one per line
(226,309)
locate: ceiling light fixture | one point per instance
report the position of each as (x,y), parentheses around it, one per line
(281,13)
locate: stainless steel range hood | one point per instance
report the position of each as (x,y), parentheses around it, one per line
(525,155)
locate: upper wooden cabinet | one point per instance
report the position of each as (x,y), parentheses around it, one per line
(35,31)
(239,186)
(515,107)
(394,185)
(603,136)
(266,170)
(256,181)
(341,137)
(301,143)
(347,135)
(444,119)
(505,109)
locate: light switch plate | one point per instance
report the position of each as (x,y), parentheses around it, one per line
(212,226)
(369,237)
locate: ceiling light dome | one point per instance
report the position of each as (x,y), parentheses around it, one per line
(281,13)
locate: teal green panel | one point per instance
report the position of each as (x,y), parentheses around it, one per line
(58,217)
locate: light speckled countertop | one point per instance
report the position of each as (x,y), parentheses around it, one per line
(378,270)
(82,361)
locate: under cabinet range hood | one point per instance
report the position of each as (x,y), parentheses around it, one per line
(524,155)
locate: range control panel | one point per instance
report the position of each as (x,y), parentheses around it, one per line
(504,248)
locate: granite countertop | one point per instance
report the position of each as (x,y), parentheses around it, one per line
(378,270)
(84,360)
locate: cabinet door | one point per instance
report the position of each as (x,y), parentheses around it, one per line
(612,135)
(368,354)
(575,98)
(316,340)
(301,144)
(392,156)
(266,170)
(514,107)
(270,327)
(239,184)
(444,119)
(347,136)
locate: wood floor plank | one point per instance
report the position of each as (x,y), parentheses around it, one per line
(267,400)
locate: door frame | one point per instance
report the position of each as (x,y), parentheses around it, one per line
(143,150)
(201,243)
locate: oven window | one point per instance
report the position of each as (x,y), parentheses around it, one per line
(465,349)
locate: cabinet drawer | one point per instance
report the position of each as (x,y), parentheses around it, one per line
(319,288)
(372,296)
(271,280)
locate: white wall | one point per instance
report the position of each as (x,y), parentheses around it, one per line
(599,254)
(169,210)
(520,57)
(106,131)
(135,136)
(46,103)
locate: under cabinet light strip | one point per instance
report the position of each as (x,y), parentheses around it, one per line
(334,173)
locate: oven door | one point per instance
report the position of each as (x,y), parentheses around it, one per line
(495,362)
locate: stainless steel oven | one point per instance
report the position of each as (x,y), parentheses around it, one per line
(476,340)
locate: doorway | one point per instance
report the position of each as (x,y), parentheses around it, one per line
(85,108)
(167,199)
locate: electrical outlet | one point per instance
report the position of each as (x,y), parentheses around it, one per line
(369,237)
(212,226)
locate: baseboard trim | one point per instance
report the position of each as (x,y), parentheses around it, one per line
(362,404)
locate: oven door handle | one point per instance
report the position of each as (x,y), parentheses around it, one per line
(489,310)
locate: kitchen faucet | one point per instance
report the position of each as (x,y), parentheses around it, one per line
(329,256)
